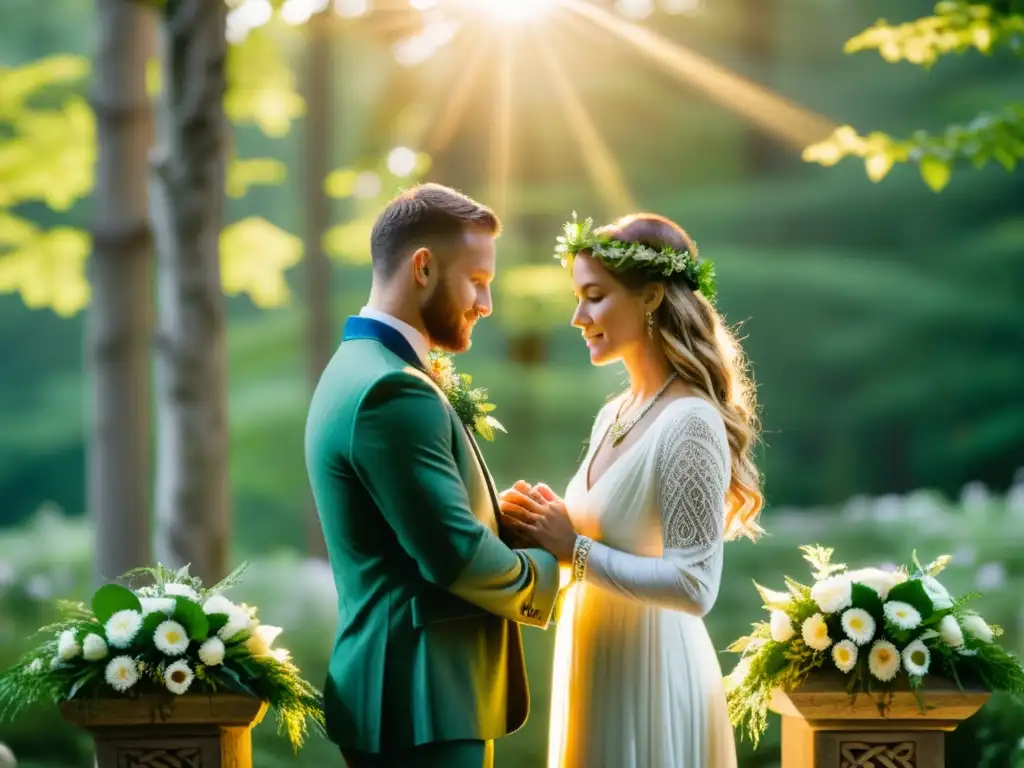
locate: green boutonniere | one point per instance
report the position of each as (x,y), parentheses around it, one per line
(470,404)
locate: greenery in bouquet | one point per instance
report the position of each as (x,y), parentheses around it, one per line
(469,403)
(875,626)
(172,637)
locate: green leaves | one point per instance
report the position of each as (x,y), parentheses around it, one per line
(820,559)
(255,171)
(191,617)
(995,136)
(956,27)
(261,85)
(935,172)
(87,676)
(111,598)
(232,579)
(48,268)
(149,624)
(254,256)
(772,599)
(18,86)
(867,599)
(233,680)
(50,156)
(912,592)
(217,621)
(470,404)
(47,155)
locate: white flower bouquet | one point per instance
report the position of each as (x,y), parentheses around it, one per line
(171,637)
(876,627)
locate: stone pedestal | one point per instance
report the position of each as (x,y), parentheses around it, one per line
(157,731)
(823,728)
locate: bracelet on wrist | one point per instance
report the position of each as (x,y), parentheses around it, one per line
(580,553)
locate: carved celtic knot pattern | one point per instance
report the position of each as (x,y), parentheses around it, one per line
(854,754)
(178,757)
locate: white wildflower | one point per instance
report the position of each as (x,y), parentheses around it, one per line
(261,640)
(859,625)
(832,594)
(844,654)
(937,593)
(977,627)
(238,621)
(178,677)
(182,590)
(950,631)
(219,604)
(171,638)
(122,627)
(94,647)
(165,605)
(121,673)
(211,652)
(781,627)
(815,632)
(884,660)
(917,658)
(68,647)
(903,615)
(877,579)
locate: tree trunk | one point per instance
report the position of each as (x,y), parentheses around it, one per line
(317,149)
(188,203)
(120,324)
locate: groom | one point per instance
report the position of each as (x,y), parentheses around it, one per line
(427,667)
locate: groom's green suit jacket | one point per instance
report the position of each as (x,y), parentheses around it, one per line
(428,646)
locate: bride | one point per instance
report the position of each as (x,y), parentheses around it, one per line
(668,477)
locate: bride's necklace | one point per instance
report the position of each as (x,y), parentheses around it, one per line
(619,430)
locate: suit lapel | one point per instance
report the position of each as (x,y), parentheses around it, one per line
(366,328)
(486,473)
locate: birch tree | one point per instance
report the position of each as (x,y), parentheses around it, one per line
(188,181)
(121,276)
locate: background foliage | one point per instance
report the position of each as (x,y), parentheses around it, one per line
(883,320)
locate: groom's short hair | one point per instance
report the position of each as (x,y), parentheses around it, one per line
(424,216)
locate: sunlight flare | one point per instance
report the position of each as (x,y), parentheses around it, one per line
(515,11)
(787,121)
(501,130)
(601,166)
(451,113)
(560,673)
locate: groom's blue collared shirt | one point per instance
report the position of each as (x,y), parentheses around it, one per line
(401,338)
(416,340)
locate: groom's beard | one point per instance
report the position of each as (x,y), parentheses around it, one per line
(447,328)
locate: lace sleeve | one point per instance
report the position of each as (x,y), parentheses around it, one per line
(692,477)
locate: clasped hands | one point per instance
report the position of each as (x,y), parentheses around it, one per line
(534,516)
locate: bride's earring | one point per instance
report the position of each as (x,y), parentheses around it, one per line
(650,324)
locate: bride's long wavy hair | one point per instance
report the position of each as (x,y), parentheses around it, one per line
(707,356)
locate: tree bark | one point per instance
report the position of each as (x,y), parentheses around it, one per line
(317,151)
(192,489)
(120,322)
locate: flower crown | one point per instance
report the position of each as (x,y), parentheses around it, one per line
(618,256)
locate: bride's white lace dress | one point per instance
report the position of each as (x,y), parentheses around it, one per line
(637,682)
